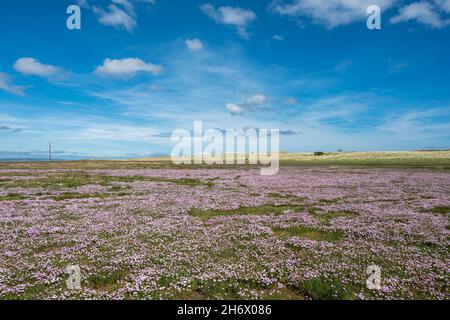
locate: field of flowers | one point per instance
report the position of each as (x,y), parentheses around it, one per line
(171,233)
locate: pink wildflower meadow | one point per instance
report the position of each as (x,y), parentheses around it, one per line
(179,233)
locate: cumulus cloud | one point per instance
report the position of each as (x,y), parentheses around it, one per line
(422,12)
(234,108)
(329,13)
(251,104)
(194,44)
(6,85)
(257,99)
(33,67)
(126,68)
(232,16)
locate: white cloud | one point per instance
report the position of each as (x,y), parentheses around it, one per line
(83,4)
(119,14)
(329,13)
(126,68)
(6,85)
(116,17)
(233,16)
(31,66)
(234,108)
(278,37)
(251,104)
(422,12)
(257,99)
(194,44)
(127,5)
(444,5)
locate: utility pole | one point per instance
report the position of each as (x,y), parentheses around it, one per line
(49,151)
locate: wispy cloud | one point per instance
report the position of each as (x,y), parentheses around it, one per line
(329,13)
(434,122)
(115,17)
(9,129)
(119,14)
(423,12)
(396,66)
(233,16)
(6,85)
(443,5)
(342,66)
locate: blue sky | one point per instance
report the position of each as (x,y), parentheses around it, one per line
(138,69)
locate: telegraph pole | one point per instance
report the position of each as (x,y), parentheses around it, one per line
(49,151)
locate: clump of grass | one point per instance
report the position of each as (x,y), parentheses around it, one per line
(283,196)
(322,288)
(328,201)
(243,211)
(12,197)
(52,246)
(71,195)
(326,217)
(230,289)
(308,233)
(119,188)
(440,209)
(107,281)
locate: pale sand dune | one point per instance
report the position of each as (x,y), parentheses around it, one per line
(342,156)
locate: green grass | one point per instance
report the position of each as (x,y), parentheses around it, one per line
(324,289)
(243,211)
(308,233)
(228,289)
(71,195)
(440,209)
(284,196)
(326,217)
(12,197)
(78,179)
(52,246)
(107,281)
